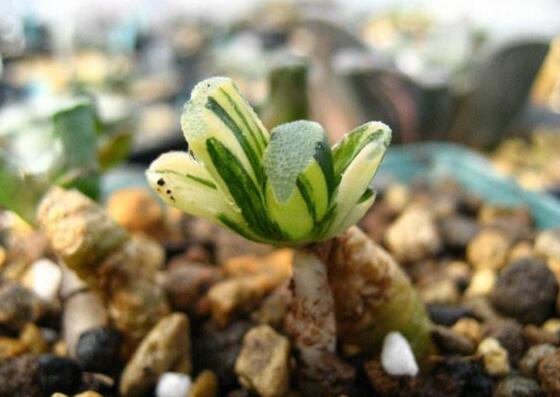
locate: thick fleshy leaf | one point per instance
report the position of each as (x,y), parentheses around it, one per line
(358,158)
(299,177)
(246,194)
(353,142)
(217,111)
(184,183)
(359,210)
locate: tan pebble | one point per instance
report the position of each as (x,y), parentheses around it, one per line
(205,385)
(441,291)
(547,243)
(166,348)
(458,271)
(137,210)
(274,307)
(481,283)
(58,395)
(554,266)
(10,348)
(278,262)
(31,337)
(470,328)
(413,236)
(488,250)
(397,197)
(233,295)
(263,362)
(520,250)
(495,357)
(251,279)
(88,393)
(480,307)
(552,325)
(60,349)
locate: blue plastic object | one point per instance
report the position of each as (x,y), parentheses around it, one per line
(435,161)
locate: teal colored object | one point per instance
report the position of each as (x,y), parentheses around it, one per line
(434,161)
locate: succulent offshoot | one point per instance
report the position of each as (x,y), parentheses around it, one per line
(287,187)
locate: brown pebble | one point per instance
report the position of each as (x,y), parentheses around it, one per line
(274,307)
(480,308)
(186,284)
(18,377)
(450,342)
(529,362)
(510,335)
(18,306)
(32,338)
(537,336)
(10,348)
(549,374)
(383,384)
(526,290)
(137,210)
(205,385)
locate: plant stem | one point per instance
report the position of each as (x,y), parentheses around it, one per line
(350,289)
(311,324)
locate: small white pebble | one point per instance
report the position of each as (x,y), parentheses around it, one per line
(396,356)
(173,384)
(44,278)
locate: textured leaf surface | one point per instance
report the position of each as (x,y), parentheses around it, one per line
(358,159)
(217,110)
(286,188)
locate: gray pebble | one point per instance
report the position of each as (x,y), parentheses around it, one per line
(526,290)
(518,387)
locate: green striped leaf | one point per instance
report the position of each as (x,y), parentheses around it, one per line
(299,177)
(286,188)
(217,110)
(359,210)
(243,190)
(353,142)
(359,164)
(184,183)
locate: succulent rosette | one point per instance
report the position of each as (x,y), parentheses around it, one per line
(284,187)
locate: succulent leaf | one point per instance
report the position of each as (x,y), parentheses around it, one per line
(283,188)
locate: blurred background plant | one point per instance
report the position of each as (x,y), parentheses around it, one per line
(432,70)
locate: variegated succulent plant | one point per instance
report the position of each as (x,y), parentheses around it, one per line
(284,187)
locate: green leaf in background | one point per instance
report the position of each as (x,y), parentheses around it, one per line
(21,191)
(288,98)
(75,132)
(113,149)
